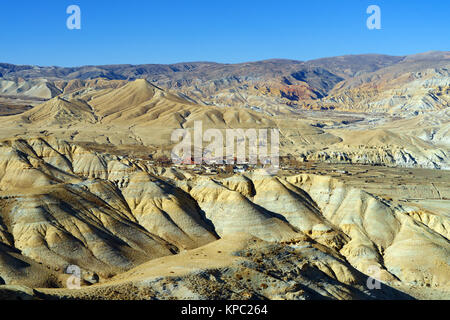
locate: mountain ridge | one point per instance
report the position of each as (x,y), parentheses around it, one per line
(325,83)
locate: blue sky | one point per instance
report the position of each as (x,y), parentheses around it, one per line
(147,31)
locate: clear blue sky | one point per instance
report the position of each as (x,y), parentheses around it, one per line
(148,31)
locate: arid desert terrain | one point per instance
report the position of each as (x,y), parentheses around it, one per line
(359,208)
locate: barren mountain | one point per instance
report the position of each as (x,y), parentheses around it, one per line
(63,204)
(370,83)
(362,193)
(140,113)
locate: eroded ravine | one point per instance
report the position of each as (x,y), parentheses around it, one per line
(63,204)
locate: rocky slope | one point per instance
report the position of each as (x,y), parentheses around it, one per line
(78,185)
(418,84)
(373,83)
(139,113)
(63,204)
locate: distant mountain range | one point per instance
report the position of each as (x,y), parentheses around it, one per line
(369,83)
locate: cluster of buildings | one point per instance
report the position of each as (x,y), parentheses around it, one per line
(217,166)
(213,168)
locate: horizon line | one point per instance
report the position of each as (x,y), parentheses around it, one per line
(226,63)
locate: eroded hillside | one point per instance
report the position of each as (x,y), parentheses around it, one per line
(63,204)
(138,113)
(362,192)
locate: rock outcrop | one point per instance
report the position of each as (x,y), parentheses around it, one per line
(63,204)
